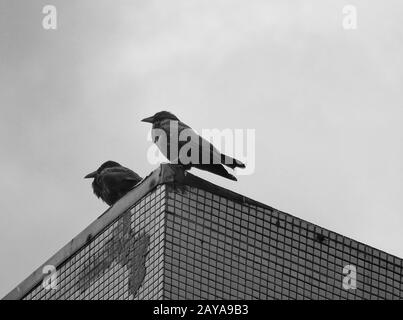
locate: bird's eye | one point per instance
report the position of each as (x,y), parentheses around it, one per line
(156,138)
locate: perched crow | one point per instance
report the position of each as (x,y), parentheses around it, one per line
(112,181)
(209,158)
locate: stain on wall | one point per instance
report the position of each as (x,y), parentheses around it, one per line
(122,247)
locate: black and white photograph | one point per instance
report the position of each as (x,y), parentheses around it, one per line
(198,150)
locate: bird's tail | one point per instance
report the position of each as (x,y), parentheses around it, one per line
(217,169)
(231,162)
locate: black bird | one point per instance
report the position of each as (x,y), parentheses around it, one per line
(209,158)
(112,181)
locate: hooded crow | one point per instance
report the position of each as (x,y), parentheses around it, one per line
(112,181)
(208,157)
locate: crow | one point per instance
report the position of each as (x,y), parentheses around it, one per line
(209,158)
(112,181)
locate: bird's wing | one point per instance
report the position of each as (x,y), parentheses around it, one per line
(206,149)
(119,174)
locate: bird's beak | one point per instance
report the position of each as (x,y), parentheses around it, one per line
(90,175)
(149,119)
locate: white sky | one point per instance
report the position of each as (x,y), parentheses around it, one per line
(326,105)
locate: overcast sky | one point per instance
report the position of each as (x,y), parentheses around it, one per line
(326,104)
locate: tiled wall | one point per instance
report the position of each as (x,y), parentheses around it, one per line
(218,249)
(178,243)
(125,261)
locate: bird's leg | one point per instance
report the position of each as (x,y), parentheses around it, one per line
(184,167)
(178,163)
(175,184)
(177,187)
